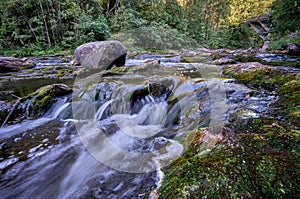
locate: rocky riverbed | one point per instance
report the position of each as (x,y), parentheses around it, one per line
(215,124)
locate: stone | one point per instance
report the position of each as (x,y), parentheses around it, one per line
(223,60)
(199,51)
(152,61)
(34,105)
(9,64)
(74,63)
(292,49)
(102,54)
(248,67)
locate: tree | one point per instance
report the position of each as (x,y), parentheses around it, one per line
(50,23)
(286,16)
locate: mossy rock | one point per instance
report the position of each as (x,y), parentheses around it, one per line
(246,58)
(60,73)
(195,59)
(290,103)
(43,98)
(258,75)
(53,90)
(283,63)
(37,103)
(253,58)
(246,167)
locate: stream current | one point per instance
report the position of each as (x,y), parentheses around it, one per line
(114,134)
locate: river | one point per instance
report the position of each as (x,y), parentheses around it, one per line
(113,134)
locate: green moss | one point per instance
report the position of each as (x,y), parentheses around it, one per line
(282,63)
(277,42)
(46,102)
(195,59)
(246,58)
(253,58)
(47,68)
(261,77)
(60,73)
(290,103)
(245,168)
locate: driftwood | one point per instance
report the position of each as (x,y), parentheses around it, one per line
(12,110)
(8,64)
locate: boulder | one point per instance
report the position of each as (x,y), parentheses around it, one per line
(8,64)
(103,54)
(292,49)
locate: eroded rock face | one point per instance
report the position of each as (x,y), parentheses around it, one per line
(103,54)
(8,64)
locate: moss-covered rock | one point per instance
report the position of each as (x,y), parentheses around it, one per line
(289,102)
(35,104)
(196,59)
(258,75)
(255,157)
(245,58)
(241,166)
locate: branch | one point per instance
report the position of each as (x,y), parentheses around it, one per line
(12,110)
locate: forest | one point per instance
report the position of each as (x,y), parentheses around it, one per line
(30,27)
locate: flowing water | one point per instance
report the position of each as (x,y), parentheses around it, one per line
(111,138)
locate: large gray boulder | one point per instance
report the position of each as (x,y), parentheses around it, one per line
(102,54)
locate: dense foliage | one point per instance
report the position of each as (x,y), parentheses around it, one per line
(51,23)
(286,16)
(165,24)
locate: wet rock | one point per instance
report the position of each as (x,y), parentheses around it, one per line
(246,67)
(35,104)
(74,63)
(4,110)
(285,83)
(8,64)
(150,61)
(269,59)
(102,54)
(199,51)
(292,49)
(223,61)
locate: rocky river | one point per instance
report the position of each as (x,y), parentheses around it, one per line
(152,129)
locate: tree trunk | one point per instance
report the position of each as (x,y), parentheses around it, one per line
(29,24)
(45,22)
